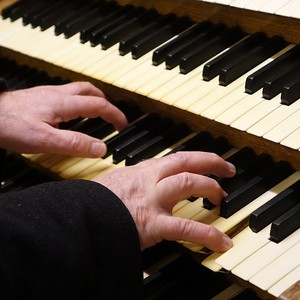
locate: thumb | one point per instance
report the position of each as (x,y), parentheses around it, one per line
(173,228)
(76,144)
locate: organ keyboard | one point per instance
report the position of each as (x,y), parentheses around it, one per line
(268,126)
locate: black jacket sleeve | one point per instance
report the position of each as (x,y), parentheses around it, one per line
(68,240)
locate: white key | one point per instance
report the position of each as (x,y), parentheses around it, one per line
(284,129)
(256,4)
(190,210)
(165,93)
(289,8)
(279,268)
(257,113)
(293,140)
(125,68)
(277,116)
(260,259)
(240,3)
(286,282)
(225,2)
(251,242)
(296,14)
(273,6)
(239,109)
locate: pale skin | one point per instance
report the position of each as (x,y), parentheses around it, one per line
(29,122)
(29,119)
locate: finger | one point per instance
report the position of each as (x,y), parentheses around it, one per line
(193,162)
(172,229)
(73,143)
(175,188)
(92,107)
(80,88)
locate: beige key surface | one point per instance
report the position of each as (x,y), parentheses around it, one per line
(278,269)
(274,118)
(255,114)
(240,3)
(214,93)
(293,140)
(284,129)
(289,8)
(249,244)
(210,261)
(125,67)
(88,56)
(260,259)
(286,282)
(168,89)
(103,59)
(273,6)
(256,4)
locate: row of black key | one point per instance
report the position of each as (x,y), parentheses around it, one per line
(139,31)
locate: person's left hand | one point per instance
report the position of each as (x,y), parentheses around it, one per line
(29,119)
(152,188)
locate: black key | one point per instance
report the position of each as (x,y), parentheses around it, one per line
(251,59)
(6,11)
(17,10)
(59,14)
(35,19)
(121,31)
(255,81)
(164,140)
(213,67)
(106,15)
(124,14)
(274,208)
(196,143)
(286,224)
(290,92)
(127,133)
(73,16)
(196,41)
(219,146)
(139,139)
(274,86)
(160,54)
(37,9)
(102,131)
(88,20)
(89,125)
(266,177)
(212,48)
(139,34)
(162,35)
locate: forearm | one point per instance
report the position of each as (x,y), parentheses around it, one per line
(68,239)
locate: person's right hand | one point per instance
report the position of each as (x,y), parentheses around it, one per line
(152,188)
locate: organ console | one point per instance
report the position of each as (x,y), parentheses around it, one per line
(217,76)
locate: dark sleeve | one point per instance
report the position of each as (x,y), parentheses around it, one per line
(68,240)
(3,86)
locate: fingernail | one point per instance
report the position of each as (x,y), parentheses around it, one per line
(227,241)
(97,149)
(231,167)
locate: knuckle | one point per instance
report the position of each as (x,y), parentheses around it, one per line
(179,156)
(75,142)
